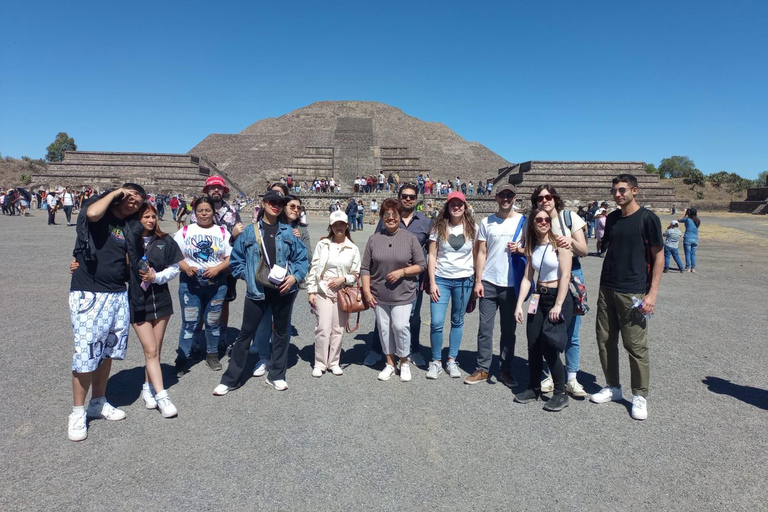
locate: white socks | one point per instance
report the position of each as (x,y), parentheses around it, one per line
(571,376)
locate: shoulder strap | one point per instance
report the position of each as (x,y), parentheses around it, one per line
(519,227)
(568,220)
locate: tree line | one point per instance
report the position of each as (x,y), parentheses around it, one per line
(683,167)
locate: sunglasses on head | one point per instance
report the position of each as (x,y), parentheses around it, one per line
(545,197)
(412,197)
(542,220)
(620,190)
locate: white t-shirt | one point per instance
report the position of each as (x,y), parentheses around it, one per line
(203,247)
(68,199)
(374,206)
(51,200)
(577,223)
(496,233)
(454,256)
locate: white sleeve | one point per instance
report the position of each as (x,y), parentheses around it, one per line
(169,274)
(482,234)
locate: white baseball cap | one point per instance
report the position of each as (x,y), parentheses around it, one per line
(338,216)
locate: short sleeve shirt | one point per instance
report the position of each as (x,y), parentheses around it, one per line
(109,272)
(454,255)
(203,247)
(496,232)
(626,264)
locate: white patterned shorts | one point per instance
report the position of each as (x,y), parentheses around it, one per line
(100,321)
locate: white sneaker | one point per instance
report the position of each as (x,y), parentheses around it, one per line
(434,370)
(639,407)
(317,372)
(104,410)
(149,397)
(607,394)
(220,390)
(371,358)
(261,368)
(547,385)
(278,384)
(336,370)
(417,359)
(167,409)
(452,367)
(77,429)
(405,372)
(387,372)
(574,388)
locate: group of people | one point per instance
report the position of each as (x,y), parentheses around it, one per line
(495,264)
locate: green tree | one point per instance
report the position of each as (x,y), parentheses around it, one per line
(694,178)
(762,180)
(718,179)
(736,184)
(651,169)
(57,148)
(675,166)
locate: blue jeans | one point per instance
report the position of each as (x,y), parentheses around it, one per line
(352,224)
(458,291)
(690,252)
(675,253)
(360,221)
(590,229)
(200,302)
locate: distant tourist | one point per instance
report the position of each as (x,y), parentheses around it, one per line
(672,238)
(53,203)
(632,270)
(691,238)
(374,210)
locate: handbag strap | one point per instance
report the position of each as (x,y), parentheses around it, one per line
(357,324)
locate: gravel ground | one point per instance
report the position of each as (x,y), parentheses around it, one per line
(352,442)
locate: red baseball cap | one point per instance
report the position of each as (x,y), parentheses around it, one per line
(456,195)
(215,180)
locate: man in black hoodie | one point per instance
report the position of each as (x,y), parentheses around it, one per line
(108,251)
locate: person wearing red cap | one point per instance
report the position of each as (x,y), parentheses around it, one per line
(227,216)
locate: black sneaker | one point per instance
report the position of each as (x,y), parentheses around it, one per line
(212,360)
(527,396)
(507,379)
(181,368)
(558,402)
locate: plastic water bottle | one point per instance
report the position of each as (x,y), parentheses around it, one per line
(638,303)
(144,264)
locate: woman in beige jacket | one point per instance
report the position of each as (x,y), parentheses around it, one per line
(335,263)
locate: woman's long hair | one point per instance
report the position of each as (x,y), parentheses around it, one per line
(157,232)
(692,215)
(532,236)
(559,204)
(442,222)
(330,234)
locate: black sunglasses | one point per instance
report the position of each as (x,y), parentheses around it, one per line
(505,195)
(412,197)
(620,190)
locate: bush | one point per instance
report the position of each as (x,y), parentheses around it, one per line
(26,178)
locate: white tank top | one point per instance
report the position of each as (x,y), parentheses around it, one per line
(546,263)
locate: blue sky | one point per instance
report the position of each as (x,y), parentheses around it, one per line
(559,80)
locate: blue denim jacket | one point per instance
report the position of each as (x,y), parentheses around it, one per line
(246,254)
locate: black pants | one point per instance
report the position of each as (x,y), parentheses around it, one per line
(51,215)
(539,348)
(68,213)
(253,312)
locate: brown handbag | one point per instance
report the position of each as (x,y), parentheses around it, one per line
(352,301)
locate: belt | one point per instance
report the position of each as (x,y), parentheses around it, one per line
(545,290)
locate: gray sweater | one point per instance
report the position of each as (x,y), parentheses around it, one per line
(385,253)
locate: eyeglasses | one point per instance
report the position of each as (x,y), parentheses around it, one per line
(542,220)
(620,190)
(412,197)
(292,206)
(391,215)
(505,195)
(546,197)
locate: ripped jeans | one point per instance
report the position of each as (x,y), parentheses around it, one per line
(198,301)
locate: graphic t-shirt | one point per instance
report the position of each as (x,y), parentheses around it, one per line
(496,232)
(454,255)
(108,273)
(203,247)
(625,267)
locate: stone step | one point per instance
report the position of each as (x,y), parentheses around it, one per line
(589,178)
(637,167)
(87,156)
(311,161)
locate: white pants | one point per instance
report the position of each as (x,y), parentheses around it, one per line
(395,329)
(331,321)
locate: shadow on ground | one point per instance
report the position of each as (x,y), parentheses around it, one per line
(747,394)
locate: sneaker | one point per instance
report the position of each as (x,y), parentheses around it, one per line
(607,394)
(477,377)
(665,270)
(453,369)
(639,407)
(557,403)
(317,372)
(336,370)
(387,372)
(405,372)
(167,409)
(261,368)
(547,385)
(181,368)
(220,390)
(104,410)
(693,270)
(77,429)
(212,360)
(417,359)
(371,358)
(434,370)
(278,384)
(527,396)
(148,397)
(574,388)
(506,378)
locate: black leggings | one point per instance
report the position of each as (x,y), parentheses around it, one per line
(253,312)
(539,348)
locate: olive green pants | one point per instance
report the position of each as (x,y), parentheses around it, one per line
(615,315)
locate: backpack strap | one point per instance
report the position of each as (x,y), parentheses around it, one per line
(568,221)
(519,227)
